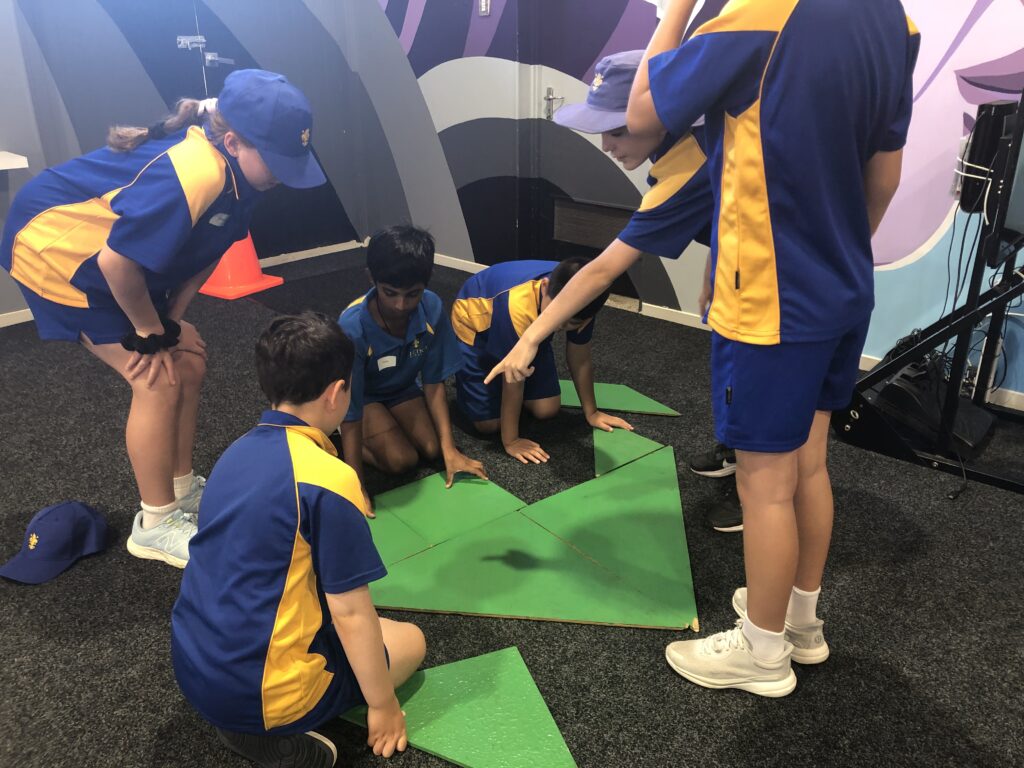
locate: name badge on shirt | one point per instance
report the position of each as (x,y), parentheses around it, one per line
(219,219)
(387,362)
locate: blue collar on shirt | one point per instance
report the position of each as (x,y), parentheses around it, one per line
(274,418)
(379,340)
(281,419)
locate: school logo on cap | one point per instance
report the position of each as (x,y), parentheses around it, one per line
(598,80)
(32,541)
(305,137)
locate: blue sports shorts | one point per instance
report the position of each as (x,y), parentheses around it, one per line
(764,397)
(481,402)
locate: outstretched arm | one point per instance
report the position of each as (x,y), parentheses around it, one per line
(585,286)
(641,117)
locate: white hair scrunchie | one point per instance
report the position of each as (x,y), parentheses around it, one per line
(207,106)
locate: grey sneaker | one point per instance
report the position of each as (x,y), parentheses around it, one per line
(190,501)
(809,646)
(725,661)
(167,541)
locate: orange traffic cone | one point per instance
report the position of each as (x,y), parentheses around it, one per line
(238,273)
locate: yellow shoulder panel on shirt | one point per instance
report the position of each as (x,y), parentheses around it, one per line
(673,171)
(314,465)
(523,303)
(750,16)
(357,302)
(201,170)
(470,317)
(912,27)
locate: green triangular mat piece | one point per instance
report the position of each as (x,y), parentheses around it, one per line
(618,447)
(512,567)
(394,539)
(631,522)
(484,712)
(616,397)
(437,513)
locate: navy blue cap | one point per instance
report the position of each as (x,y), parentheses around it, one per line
(275,117)
(55,538)
(605,108)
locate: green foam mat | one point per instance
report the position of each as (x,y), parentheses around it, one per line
(630,521)
(616,397)
(484,712)
(515,568)
(618,447)
(394,539)
(437,513)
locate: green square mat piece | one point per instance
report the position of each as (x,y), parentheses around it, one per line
(513,567)
(484,712)
(437,513)
(394,539)
(618,447)
(631,522)
(616,397)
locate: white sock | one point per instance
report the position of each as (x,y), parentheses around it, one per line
(183,485)
(765,645)
(155,515)
(802,607)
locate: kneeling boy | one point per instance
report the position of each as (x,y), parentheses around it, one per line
(405,350)
(274,632)
(491,312)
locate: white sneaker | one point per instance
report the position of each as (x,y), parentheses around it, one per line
(190,501)
(725,661)
(809,646)
(167,541)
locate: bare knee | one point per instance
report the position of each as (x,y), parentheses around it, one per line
(396,458)
(488,427)
(160,394)
(191,370)
(547,408)
(430,449)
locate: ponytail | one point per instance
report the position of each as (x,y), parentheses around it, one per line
(124,138)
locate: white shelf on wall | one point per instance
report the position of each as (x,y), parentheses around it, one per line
(10,161)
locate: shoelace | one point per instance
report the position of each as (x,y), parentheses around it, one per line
(726,641)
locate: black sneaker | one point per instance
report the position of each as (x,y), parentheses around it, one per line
(300,750)
(727,515)
(720,462)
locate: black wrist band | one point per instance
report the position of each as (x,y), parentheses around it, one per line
(149,345)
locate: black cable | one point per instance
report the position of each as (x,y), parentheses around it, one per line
(955,494)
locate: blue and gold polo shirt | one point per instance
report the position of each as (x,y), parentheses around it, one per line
(386,366)
(173,206)
(495,307)
(798,96)
(280,526)
(679,205)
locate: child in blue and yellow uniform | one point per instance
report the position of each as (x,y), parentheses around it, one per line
(274,631)
(808,104)
(676,210)
(492,310)
(405,350)
(109,249)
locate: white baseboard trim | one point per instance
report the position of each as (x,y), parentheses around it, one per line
(463,265)
(13,318)
(678,316)
(310,253)
(1007,398)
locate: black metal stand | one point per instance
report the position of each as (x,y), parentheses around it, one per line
(863,425)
